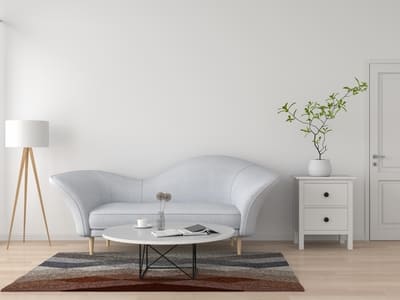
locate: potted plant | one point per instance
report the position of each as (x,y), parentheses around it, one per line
(315,118)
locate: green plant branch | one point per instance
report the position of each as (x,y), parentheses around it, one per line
(293,115)
(317,114)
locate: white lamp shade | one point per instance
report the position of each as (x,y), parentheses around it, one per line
(27,133)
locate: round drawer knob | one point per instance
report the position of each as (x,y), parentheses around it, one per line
(326,194)
(326,219)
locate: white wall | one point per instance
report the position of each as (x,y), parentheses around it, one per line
(3,204)
(134,86)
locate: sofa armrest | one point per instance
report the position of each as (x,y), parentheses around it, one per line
(249,190)
(85,191)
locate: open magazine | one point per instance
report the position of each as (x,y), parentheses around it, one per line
(188,231)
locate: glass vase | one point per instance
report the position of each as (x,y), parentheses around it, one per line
(161,221)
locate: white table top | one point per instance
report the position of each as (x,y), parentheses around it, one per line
(131,235)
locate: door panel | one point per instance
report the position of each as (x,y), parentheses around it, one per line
(390,204)
(389,85)
(384,151)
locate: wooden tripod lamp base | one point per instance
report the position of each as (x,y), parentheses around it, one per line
(28,134)
(27,154)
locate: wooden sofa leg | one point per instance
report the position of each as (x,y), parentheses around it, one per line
(238,246)
(108,243)
(91,245)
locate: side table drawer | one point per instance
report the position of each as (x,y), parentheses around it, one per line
(325,194)
(325,219)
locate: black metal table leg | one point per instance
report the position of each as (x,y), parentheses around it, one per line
(140,261)
(147,257)
(144,264)
(143,260)
(194,261)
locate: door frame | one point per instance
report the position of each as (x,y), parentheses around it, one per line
(367,163)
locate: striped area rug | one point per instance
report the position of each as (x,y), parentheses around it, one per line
(110,271)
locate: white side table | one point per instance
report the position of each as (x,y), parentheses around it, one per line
(326,207)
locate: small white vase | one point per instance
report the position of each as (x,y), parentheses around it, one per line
(319,167)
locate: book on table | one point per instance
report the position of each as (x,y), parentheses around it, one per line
(188,231)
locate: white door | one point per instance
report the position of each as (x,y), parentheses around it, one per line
(385,151)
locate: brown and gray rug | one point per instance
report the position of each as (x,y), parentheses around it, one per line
(119,272)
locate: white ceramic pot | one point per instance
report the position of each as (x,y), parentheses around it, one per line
(319,167)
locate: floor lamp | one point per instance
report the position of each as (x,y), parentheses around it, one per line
(26,134)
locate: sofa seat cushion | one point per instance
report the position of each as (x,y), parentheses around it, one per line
(120,213)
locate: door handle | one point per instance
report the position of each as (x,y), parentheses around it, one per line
(377,156)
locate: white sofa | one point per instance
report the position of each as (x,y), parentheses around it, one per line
(207,189)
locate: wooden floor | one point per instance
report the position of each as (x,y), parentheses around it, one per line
(326,269)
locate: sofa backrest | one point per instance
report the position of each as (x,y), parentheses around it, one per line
(200,179)
(122,188)
(99,186)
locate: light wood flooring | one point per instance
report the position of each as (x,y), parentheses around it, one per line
(326,269)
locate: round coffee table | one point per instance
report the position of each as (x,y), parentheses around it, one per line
(146,240)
